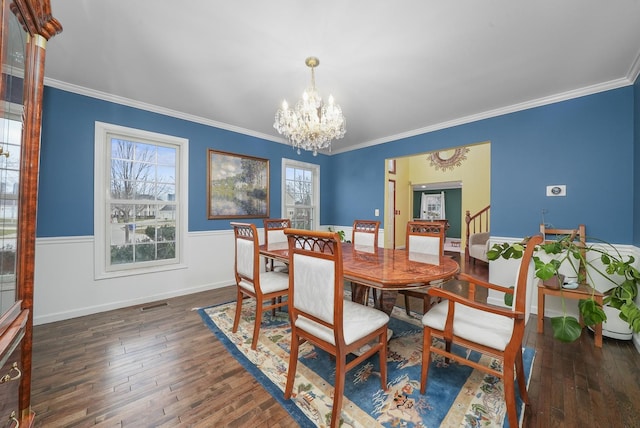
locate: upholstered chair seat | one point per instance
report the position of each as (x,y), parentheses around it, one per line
(268,288)
(358,320)
(488,329)
(425,244)
(270,282)
(274,235)
(321,316)
(472,324)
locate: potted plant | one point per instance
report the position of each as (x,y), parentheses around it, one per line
(616,269)
(340,233)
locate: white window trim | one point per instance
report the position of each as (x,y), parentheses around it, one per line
(101,195)
(316,187)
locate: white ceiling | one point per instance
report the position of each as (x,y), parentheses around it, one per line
(397,68)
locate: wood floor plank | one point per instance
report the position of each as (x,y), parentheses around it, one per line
(162,367)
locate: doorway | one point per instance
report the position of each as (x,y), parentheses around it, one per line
(472,168)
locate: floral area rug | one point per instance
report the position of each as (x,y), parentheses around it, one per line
(456,395)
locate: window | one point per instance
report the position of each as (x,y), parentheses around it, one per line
(140,200)
(432,206)
(301,194)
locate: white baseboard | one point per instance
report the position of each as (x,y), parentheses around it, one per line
(64,315)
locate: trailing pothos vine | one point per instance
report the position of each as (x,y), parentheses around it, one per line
(618,270)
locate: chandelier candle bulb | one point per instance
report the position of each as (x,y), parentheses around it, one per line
(311,124)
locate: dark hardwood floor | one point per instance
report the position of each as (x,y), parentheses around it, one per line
(158,365)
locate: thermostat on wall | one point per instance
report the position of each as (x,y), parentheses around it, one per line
(557,190)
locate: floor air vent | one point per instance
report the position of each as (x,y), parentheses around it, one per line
(154,306)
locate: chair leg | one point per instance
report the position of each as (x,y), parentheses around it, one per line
(522,385)
(256,324)
(338,392)
(383,359)
(447,347)
(426,358)
(406,305)
(293,363)
(236,318)
(509,391)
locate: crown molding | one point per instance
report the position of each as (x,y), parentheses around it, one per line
(588,90)
(156,109)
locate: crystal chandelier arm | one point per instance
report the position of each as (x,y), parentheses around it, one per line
(311,124)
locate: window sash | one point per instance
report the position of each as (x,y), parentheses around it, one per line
(141,227)
(301,183)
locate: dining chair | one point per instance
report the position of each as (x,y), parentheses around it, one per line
(268,288)
(365,234)
(488,329)
(274,234)
(321,316)
(364,237)
(423,237)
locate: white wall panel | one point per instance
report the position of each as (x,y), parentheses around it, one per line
(65,286)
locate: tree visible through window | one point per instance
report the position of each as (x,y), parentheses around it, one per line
(142,201)
(142,220)
(301,198)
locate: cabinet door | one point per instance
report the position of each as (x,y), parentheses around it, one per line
(13,53)
(10,374)
(26,25)
(12,327)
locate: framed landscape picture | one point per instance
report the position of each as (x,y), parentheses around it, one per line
(237,186)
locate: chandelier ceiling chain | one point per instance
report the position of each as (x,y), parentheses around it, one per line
(311,124)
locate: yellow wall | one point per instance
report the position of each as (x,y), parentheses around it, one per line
(403,193)
(474,173)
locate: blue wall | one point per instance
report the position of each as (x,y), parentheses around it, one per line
(65,202)
(586,143)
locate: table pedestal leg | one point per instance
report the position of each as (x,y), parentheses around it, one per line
(387,300)
(358,293)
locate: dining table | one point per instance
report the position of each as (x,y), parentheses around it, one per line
(385,269)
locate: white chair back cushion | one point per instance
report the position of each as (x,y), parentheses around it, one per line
(364,239)
(244,257)
(314,281)
(275,236)
(364,248)
(432,259)
(424,244)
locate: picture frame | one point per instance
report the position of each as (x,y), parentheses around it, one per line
(237,186)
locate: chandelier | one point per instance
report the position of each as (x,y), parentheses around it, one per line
(312,124)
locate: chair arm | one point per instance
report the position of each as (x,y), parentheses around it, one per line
(485,284)
(479,238)
(456,298)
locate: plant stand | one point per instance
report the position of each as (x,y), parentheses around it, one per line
(583,291)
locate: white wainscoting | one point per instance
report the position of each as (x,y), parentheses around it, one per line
(504,272)
(65,286)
